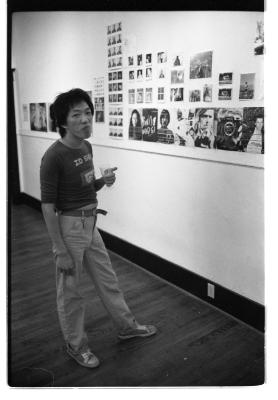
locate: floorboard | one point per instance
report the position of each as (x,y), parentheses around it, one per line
(196,344)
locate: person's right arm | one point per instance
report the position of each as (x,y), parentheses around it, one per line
(64,261)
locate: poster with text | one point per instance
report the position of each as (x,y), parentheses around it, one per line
(149,124)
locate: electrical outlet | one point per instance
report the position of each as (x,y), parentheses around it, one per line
(211,290)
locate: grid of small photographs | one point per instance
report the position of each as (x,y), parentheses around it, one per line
(114,43)
(115,79)
(116,122)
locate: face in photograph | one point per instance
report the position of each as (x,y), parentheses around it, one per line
(206,119)
(139,74)
(130,60)
(131,75)
(148,73)
(164,119)
(148,58)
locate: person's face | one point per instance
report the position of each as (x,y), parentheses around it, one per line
(164,120)
(259,123)
(79,121)
(206,119)
(134,119)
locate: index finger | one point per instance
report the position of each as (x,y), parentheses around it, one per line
(113,169)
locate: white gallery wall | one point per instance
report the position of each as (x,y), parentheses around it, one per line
(200,209)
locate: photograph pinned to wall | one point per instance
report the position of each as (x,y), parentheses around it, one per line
(225,94)
(130,61)
(229,129)
(139,74)
(161,57)
(177,60)
(118,50)
(118,38)
(226,78)
(38,120)
(99,109)
(51,123)
(259,39)
(98,87)
(119,61)
(135,124)
(149,73)
(139,59)
(161,73)
(161,94)
(115,75)
(177,76)
(194,95)
(164,134)
(252,139)
(131,75)
(25,112)
(148,58)
(148,95)
(131,96)
(247,85)
(120,86)
(114,87)
(120,98)
(204,127)
(176,94)
(110,76)
(201,65)
(140,95)
(149,124)
(207,93)
(181,124)
(120,75)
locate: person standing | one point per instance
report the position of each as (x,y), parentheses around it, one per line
(69,205)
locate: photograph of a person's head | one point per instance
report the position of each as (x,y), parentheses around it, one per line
(201,65)
(148,58)
(139,59)
(135,125)
(139,74)
(131,75)
(149,73)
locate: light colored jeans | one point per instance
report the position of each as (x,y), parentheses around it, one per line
(88,251)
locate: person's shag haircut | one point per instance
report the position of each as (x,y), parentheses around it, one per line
(64,102)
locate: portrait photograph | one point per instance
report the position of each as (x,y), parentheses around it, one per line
(194,95)
(176,94)
(161,57)
(207,93)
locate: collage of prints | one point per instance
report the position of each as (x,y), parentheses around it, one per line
(152,79)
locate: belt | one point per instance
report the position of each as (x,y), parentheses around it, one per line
(83,213)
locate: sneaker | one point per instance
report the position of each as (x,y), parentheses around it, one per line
(84,357)
(140,331)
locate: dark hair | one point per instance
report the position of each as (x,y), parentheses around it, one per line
(64,102)
(165,113)
(138,123)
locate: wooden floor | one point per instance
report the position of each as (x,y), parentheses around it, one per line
(196,344)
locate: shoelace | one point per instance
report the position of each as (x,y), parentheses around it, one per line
(87,355)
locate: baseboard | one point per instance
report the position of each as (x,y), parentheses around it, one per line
(228,301)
